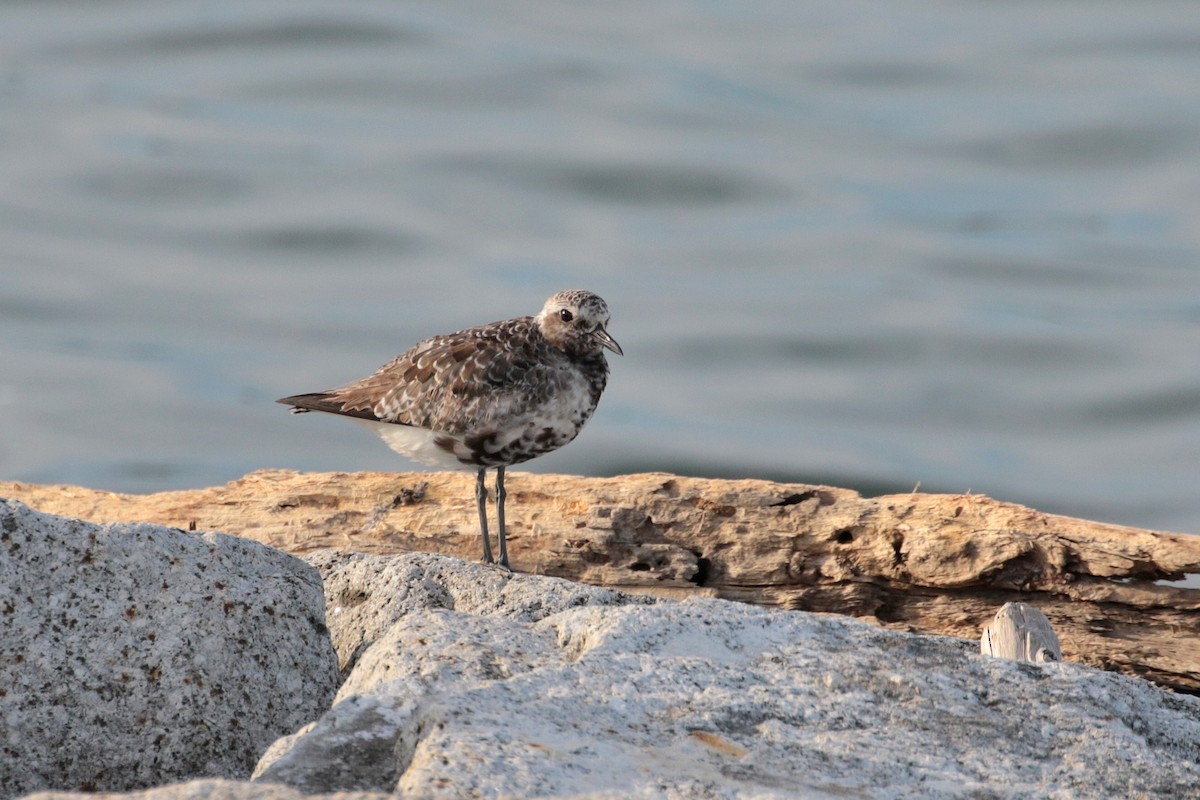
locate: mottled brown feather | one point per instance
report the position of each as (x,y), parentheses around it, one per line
(495,394)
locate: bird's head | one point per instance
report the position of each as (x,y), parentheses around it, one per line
(576,321)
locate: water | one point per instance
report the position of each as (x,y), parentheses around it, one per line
(869,244)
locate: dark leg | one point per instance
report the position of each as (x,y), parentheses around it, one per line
(481,501)
(500,495)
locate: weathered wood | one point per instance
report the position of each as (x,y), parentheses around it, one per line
(1022,632)
(932,563)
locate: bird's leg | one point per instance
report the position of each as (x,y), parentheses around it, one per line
(481,501)
(500,495)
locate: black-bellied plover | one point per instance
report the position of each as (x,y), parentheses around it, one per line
(491,396)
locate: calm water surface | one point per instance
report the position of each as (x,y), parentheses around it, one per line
(869,244)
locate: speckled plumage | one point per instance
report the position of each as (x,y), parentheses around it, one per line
(491,396)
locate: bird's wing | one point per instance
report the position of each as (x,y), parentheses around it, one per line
(455,383)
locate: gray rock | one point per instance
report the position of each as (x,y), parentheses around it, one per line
(366,595)
(132,655)
(422,619)
(212,790)
(466,681)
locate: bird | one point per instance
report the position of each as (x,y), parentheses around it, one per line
(486,397)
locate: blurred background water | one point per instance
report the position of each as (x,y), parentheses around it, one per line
(872,244)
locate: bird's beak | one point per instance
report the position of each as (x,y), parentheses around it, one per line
(603,338)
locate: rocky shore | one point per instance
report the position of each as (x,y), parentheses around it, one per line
(140,656)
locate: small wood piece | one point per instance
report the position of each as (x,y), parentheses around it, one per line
(1022,632)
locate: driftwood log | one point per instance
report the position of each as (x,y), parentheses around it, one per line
(930,563)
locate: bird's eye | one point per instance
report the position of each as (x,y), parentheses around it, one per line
(565,315)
